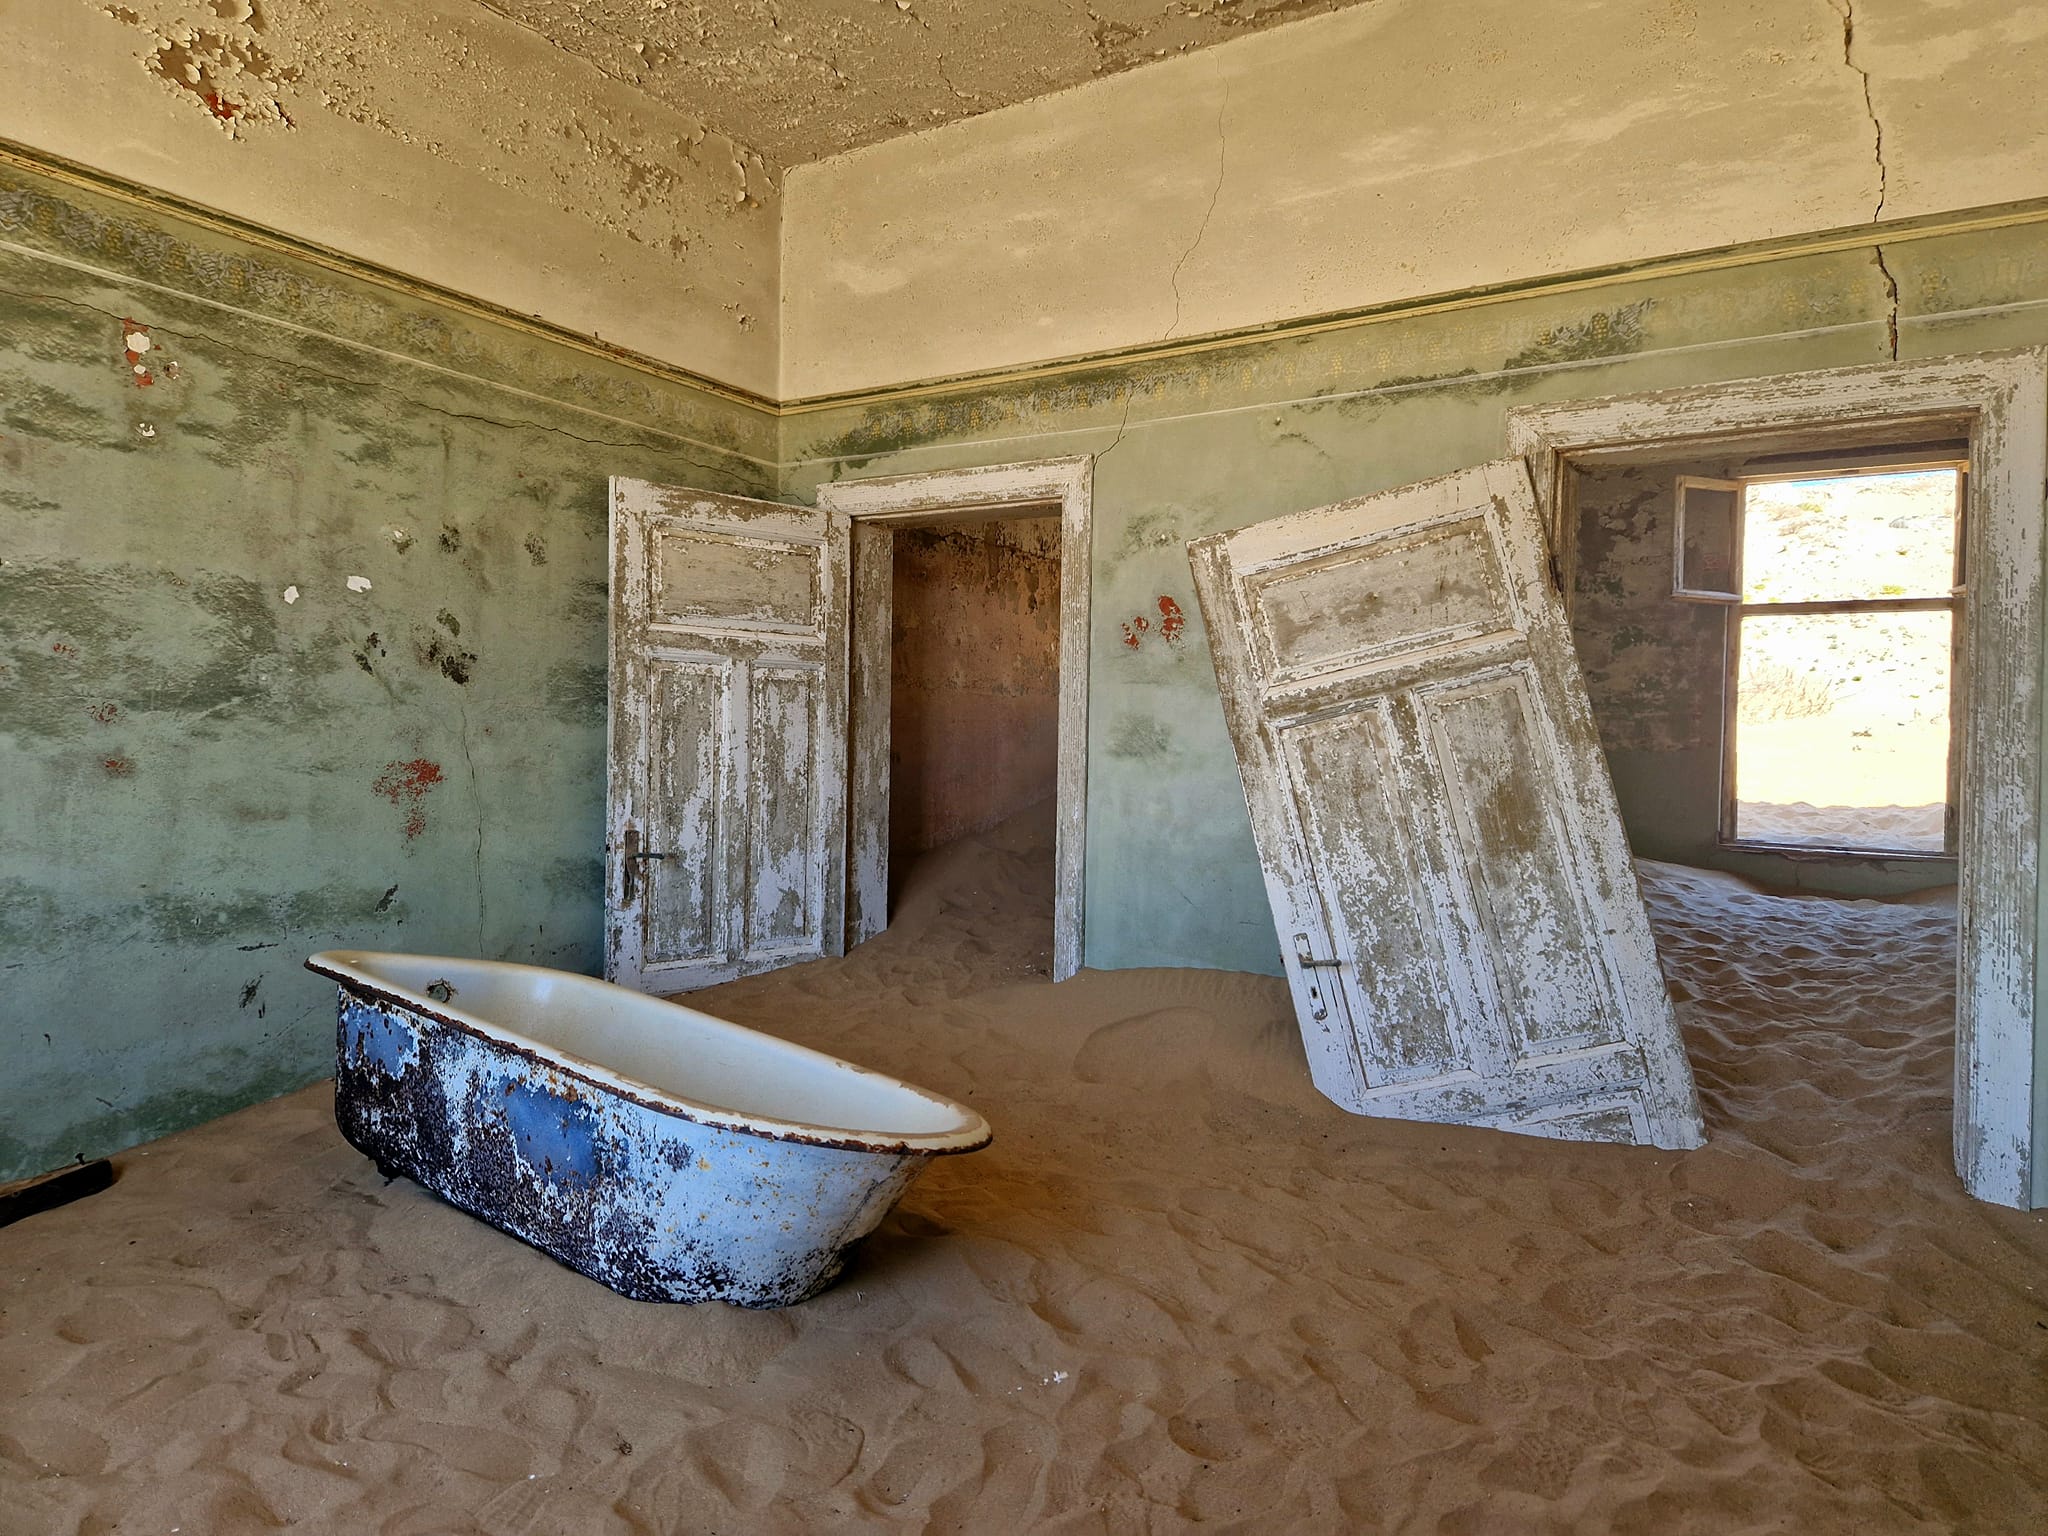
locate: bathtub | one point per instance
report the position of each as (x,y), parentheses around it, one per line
(669,1154)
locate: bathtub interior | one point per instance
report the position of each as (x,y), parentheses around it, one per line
(682,1053)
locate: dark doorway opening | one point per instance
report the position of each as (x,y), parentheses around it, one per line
(974,679)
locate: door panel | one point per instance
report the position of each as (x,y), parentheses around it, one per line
(717,578)
(1497,772)
(1440,585)
(1368,859)
(1458,914)
(682,897)
(783,912)
(726,847)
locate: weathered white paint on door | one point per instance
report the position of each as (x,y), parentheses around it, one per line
(1457,910)
(725,846)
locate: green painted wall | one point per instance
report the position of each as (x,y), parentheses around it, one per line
(1222,438)
(205,781)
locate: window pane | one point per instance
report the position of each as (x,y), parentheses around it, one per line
(1842,728)
(1709,513)
(1850,536)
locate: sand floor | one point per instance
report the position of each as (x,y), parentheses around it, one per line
(1179,1289)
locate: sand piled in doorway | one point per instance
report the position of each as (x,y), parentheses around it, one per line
(1179,1289)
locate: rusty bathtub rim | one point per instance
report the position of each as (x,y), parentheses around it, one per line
(973,1134)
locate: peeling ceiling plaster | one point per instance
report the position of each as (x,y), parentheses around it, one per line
(659,124)
(799,80)
(458,79)
(755,85)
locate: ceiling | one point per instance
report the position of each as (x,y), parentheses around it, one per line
(797,80)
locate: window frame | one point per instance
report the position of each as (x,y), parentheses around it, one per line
(1954,604)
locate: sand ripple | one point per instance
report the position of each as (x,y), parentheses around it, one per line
(1180,1288)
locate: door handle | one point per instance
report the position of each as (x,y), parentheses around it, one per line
(1305,958)
(630,855)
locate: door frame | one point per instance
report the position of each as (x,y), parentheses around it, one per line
(882,504)
(2000,400)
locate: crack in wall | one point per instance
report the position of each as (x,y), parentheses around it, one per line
(1891,288)
(1846,10)
(1215,194)
(1121,427)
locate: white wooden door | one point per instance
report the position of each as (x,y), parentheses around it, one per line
(725,843)
(1457,910)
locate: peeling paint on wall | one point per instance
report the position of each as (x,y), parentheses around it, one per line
(192,739)
(224,68)
(135,340)
(1172,622)
(405,785)
(1172,625)
(439,653)
(473,150)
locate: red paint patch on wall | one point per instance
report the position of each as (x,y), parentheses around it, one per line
(1172,622)
(60,648)
(1173,625)
(405,785)
(106,714)
(119,766)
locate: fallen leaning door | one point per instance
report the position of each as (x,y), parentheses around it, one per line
(1457,910)
(725,847)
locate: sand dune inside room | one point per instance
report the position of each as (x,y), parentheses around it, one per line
(1180,1288)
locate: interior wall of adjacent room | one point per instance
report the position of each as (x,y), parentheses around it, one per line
(1656,673)
(442,140)
(974,677)
(1257,180)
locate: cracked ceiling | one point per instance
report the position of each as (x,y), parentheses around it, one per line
(798,80)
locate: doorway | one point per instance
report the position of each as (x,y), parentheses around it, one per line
(990,566)
(1996,405)
(974,675)
(1770,642)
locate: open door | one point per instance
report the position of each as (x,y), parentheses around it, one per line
(1457,910)
(725,843)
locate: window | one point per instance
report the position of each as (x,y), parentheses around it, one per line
(1843,594)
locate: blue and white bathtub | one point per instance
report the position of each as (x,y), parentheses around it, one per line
(669,1154)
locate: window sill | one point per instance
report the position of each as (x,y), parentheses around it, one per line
(1809,853)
